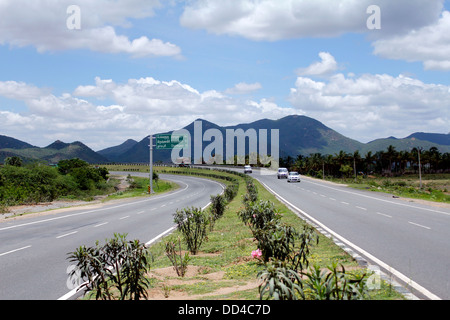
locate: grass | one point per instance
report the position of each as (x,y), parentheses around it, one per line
(139,187)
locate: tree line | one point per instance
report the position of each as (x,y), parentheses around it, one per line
(389,162)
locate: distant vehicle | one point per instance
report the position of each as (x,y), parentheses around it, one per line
(293,177)
(282,173)
(247,169)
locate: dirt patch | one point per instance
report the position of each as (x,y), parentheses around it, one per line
(168,280)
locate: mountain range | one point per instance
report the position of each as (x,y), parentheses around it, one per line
(297,135)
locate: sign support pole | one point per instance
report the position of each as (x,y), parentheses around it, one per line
(151,164)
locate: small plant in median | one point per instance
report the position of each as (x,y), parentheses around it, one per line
(115,270)
(192,223)
(175,256)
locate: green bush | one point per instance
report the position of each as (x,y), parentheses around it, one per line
(192,223)
(116,268)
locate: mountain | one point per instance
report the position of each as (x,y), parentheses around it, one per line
(408,143)
(436,138)
(298,135)
(12,143)
(113,153)
(53,153)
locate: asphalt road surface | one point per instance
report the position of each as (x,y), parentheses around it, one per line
(408,240)
(34,250)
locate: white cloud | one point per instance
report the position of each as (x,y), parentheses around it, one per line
(430,45)
(42,24)
(139,107)
(325,67)
(371,106)
(244,88)
(270,20)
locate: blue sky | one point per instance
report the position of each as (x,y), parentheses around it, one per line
(143,66)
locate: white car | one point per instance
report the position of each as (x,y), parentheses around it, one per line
(293,177)
(282,173)
(247,169)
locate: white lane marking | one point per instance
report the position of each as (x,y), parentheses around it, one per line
(382,264)
(126,217)
(343,202)
(388,201)
(100,224)
(383,214)
(419,225)
(15,250)
(94,210)
(140,212)
(67,234)
(362,208)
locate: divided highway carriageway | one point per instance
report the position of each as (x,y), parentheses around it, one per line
(34,250)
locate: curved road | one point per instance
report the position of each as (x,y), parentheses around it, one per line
(409,241)
(34,250)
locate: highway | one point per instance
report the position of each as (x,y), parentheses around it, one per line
(34,250)
(409,241)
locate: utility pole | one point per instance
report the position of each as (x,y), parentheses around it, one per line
(151,164)
(420,169)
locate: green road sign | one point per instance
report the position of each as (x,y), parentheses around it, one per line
(169,141)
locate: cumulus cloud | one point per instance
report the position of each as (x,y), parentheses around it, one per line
(430,45)
(370,106)
(137,107)
(244,88)
(269,20)
(325,67)
(43,24)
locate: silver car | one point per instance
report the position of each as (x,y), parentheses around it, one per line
(293,177)
(282,173)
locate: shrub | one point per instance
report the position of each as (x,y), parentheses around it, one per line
(279,283)
(218,205)
(179,262)
(333,284)
(192,222)
(117,266)
(231,191)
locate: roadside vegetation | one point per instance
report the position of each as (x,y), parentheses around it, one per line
(390,171)
(36,182)
(245,245)
(73,179)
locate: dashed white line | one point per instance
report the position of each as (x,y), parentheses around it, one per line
(100,224)
(383,214)
(124,217)
(333,199)
(15,250)
(67,234)
(419,225)
(345,203)
(362,208)
(141,212)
